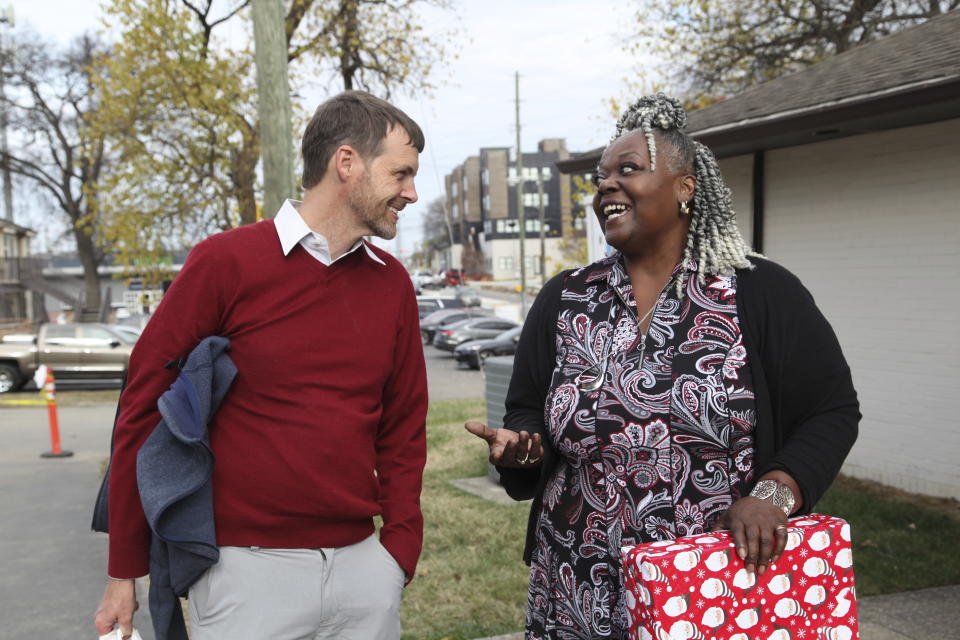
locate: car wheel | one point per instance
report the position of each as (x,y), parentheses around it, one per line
(9,379)
(482,356)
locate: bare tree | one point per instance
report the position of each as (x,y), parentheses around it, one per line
(722,47)
(436,228)
(49,98)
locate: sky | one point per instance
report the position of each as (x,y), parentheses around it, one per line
(571,55)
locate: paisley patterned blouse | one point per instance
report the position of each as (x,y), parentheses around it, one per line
(658,450)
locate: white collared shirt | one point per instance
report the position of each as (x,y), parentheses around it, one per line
(292,231)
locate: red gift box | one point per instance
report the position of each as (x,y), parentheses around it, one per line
(697,588)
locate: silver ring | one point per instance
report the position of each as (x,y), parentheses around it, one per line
(526,459)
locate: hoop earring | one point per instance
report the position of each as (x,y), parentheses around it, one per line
(684,209)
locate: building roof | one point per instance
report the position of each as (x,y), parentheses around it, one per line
(10,227)
(907,78)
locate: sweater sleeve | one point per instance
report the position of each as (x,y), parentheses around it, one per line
(189,312)
(815,406)
(402,442)
(533,367)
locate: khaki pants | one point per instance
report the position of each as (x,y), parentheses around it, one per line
(348,593)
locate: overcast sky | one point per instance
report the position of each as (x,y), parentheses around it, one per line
(571,55)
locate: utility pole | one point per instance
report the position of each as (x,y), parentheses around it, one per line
(273,103)
(543,242)
(6,17)
(520,213)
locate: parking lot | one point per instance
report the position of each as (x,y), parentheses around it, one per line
(489,322)
(447,380)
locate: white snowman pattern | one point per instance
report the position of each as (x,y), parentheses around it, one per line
(695,588)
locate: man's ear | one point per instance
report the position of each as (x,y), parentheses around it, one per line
(345,160)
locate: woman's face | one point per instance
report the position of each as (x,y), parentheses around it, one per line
(638,209)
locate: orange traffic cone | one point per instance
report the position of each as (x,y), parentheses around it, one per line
(50,394)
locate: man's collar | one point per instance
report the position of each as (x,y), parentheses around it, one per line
(291,229)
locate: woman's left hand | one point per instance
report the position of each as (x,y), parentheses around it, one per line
(759,531)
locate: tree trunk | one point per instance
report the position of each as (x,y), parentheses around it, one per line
(348,43)
(87,253)
(273,100)
(244,177)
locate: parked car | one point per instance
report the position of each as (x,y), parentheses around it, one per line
(424,279)
(452,277)
(469,296)
(429,305)
(474,352)
(442,319)
(127,333)
(86,351)
(471,329)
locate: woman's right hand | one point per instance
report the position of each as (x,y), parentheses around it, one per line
(518,450)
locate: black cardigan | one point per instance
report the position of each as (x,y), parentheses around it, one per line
(807,408)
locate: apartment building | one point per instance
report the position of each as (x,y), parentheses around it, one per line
(482,202)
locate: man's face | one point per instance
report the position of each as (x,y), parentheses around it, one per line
(386,185)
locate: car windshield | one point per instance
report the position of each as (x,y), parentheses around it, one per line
(127,334)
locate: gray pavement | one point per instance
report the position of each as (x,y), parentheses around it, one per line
(449,381)
(53,566)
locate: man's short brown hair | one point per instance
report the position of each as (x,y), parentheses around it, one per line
(358,119)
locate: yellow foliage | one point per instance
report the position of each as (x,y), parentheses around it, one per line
(180,109)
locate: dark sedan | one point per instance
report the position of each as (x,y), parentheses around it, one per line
(474,352)
(442,319)
(472,329)
(428,305)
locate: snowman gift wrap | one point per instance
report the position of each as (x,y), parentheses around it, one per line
(696,587)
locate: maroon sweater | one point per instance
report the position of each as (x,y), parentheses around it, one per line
(324,425)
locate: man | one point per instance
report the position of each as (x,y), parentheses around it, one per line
(323,428)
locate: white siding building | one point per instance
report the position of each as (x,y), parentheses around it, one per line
(848,174)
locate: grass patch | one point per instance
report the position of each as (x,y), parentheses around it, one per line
(471,581)
(901,542)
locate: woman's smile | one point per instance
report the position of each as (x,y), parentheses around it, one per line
(614,211)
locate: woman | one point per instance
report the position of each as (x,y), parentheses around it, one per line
(682,384)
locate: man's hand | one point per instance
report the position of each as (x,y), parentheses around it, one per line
(509,448)
(759,531)
(117,606)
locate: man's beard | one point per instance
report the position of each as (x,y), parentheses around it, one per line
(371,211)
